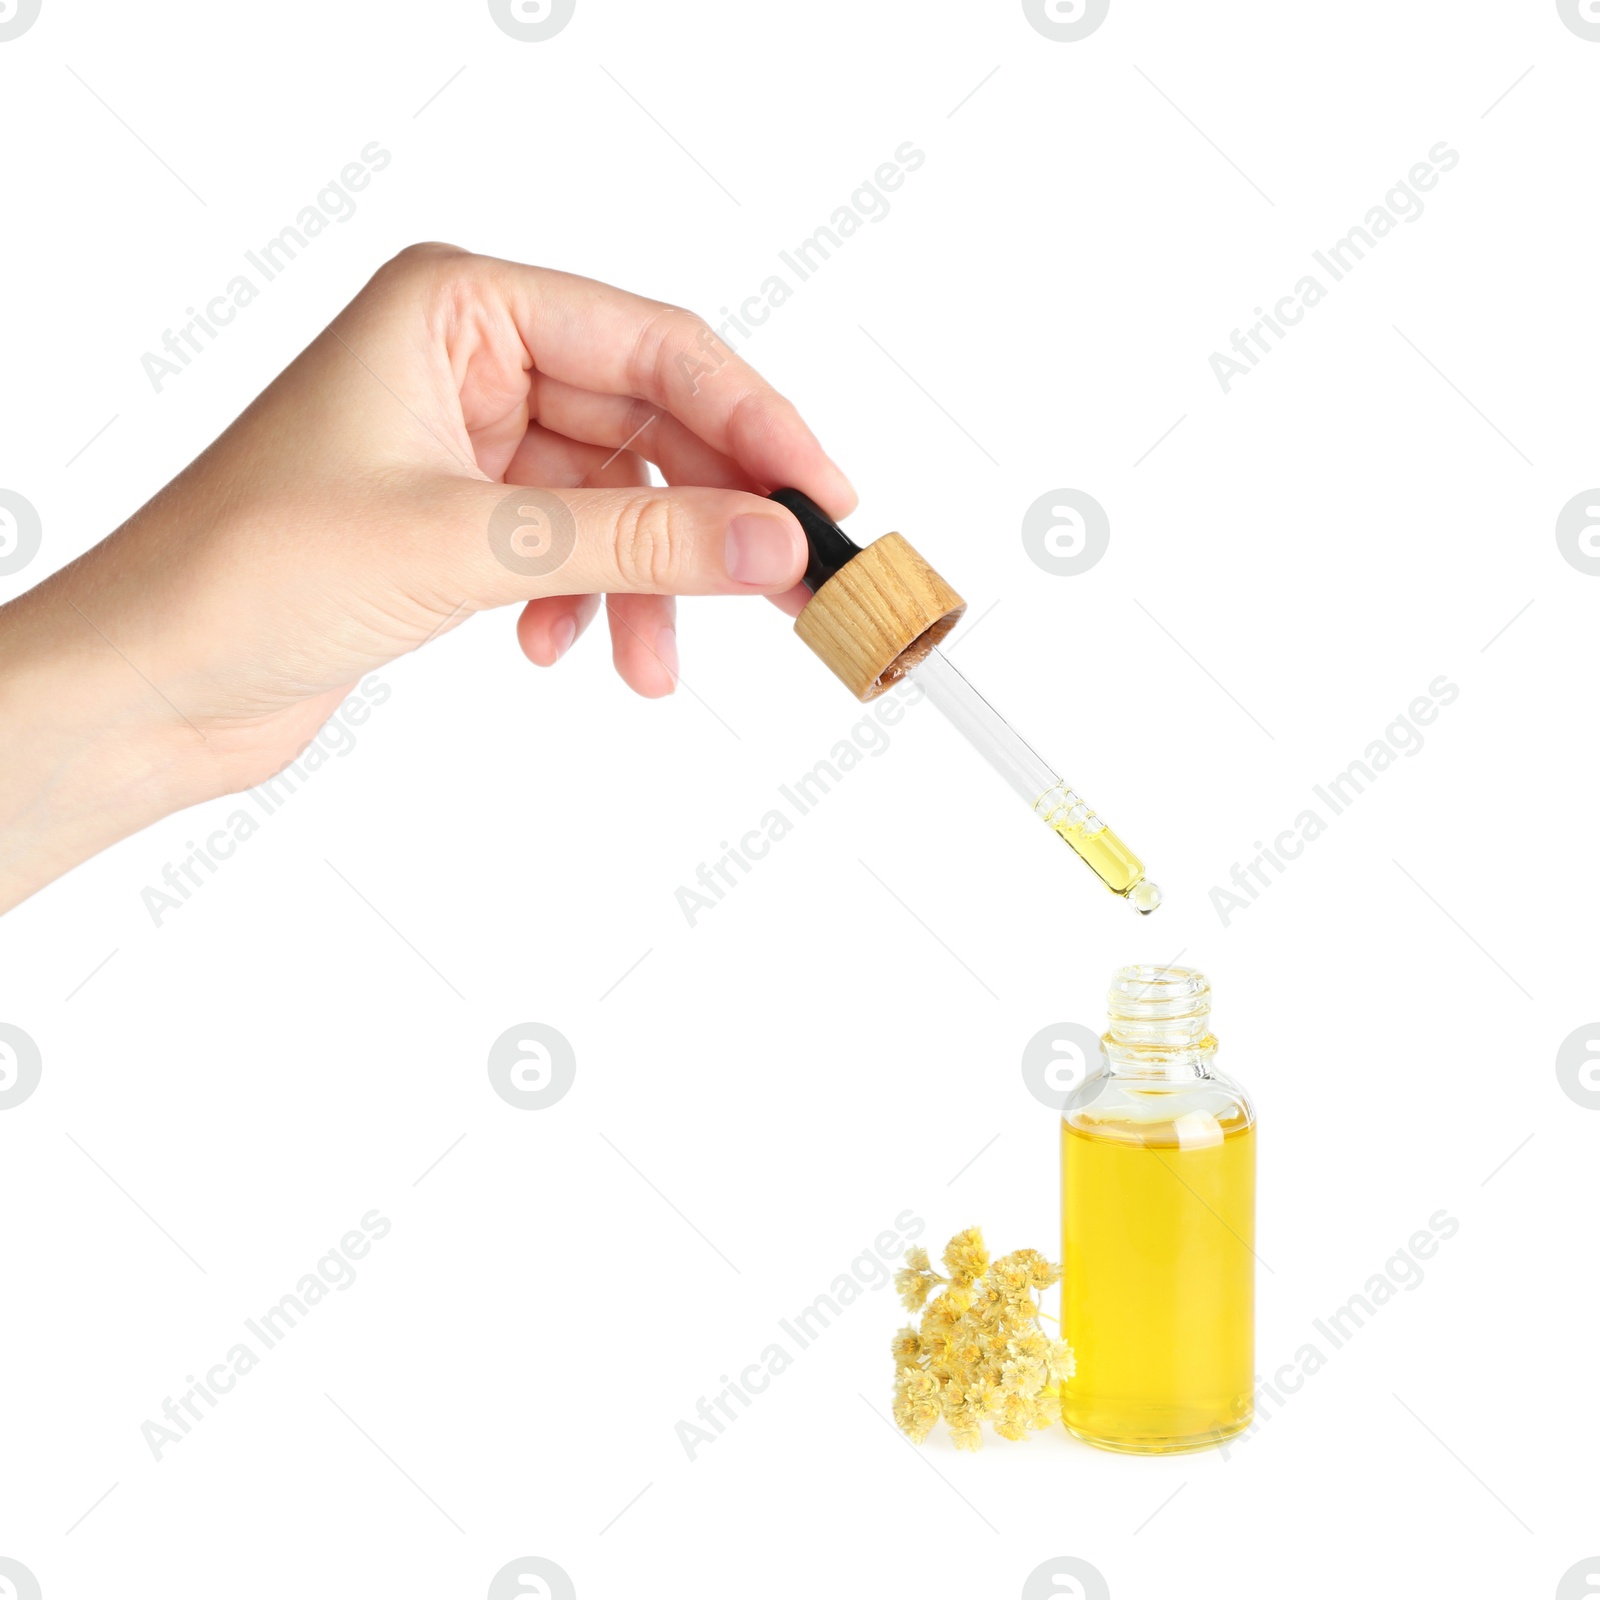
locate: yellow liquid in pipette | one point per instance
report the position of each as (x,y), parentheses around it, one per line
(1117,867)
(1158,1285)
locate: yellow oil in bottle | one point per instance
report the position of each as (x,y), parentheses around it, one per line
(1158,1238)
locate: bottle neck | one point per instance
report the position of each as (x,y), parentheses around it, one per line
(1160,1024)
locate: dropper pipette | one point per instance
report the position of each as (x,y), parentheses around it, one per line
(1117,867)
(877,615)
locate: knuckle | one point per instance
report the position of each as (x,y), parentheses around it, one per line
(668,336)
(755,416)
(649,541)
(636,417)
(424,260)
(423,278)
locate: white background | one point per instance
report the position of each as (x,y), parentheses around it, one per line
(760,1095)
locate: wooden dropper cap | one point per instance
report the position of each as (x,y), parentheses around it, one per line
(873,613)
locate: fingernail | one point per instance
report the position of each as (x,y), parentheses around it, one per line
(667,651)
(762,550)
(562,635)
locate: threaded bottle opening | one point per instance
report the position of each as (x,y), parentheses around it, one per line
(1159,1015)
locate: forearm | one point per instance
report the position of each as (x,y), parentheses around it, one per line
(89,750)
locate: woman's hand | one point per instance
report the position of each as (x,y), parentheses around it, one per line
(361,507)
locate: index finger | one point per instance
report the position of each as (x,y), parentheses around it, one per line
(601,338)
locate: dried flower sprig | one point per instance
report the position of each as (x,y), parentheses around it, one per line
(980,1353)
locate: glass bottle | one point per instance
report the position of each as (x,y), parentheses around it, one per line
(1158,1172)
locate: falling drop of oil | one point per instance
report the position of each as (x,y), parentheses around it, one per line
(1146,896)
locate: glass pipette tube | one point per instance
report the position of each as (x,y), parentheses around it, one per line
(1117,867)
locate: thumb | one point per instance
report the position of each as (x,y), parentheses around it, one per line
(522,543)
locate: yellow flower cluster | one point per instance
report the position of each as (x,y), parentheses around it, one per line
(980,1353)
